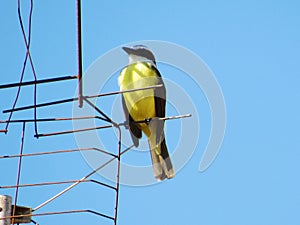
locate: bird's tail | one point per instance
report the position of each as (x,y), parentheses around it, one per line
(161,161)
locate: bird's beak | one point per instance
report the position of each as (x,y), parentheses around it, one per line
(128,50)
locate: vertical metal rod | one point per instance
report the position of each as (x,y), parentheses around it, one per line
(24,63)
(118,176)
(19,171)
(79,46)
(28,56)
(32,68)
(5,209)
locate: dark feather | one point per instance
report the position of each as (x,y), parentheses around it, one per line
(160,106)
(135,132)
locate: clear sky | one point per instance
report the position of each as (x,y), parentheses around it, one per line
(252,47)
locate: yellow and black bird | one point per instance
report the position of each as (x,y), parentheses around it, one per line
(146,105)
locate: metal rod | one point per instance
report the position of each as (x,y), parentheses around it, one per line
(51,119)
(118,176)
(59,213)
(108,126)
(75,99)
(39,105)
(55,183)
(34,222)
(78,181)
(125,91)
(19,170)
(25,60)
(28,55)
(86,117)
(58,151)
(79,46)
(72,131)
(99,111)
(163,118)
(49,80)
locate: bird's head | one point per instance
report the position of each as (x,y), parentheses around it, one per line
(140,53)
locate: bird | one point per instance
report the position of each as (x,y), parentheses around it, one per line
(144,108)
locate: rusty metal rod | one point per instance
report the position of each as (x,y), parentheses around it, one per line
(108,126)
(59,213)
(72,131)
(125,91)
(58,151)
(54,183)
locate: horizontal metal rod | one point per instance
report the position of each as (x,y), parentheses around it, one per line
(56,152)
(163,118)
(40,105)
(54,183)
(176,117)
(72,131)
(108,126)
(75,99)
(125,91)
(49,80)
(50,119)
(59,213)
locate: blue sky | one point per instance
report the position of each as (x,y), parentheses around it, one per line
(253,49)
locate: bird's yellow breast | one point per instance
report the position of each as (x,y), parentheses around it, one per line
(140,104)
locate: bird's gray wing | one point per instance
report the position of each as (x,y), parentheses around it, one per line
(135,131)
